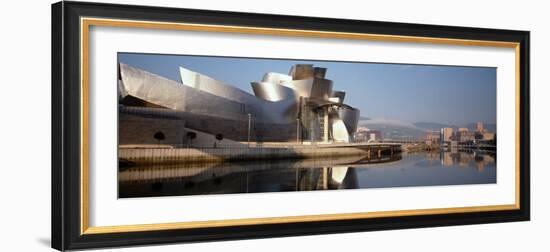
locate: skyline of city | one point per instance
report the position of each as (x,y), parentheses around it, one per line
(452,95)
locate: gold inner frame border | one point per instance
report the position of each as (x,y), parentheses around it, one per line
(86,22)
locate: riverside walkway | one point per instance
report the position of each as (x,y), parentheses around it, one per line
(163,154)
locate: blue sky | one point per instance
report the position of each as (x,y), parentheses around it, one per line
(410,93)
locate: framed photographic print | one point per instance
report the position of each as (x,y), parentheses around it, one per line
(181,125)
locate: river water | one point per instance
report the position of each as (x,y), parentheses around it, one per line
(408,169)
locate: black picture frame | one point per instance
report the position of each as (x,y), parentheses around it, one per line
(66,134)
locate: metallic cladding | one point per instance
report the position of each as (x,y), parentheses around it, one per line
(213,107)
(271,91)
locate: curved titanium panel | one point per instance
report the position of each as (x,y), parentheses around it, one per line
(339,131)
(319,72)
(271,91)
(170,94)
(338,94)
(151,88)
(350,117)
(301,87)
(121,91)
(282,111)
(301,71)
(276,77)
(213,86)
(321,89)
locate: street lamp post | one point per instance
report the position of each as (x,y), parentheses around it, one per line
(298,130)
(249,119)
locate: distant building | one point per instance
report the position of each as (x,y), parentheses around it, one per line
(462,129)
(433,137)
(454,145)
(487,136)
(367,135)
(479,127)
(446,134)
(362,128)
(465,136)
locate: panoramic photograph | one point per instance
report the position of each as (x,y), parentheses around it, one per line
(198,125)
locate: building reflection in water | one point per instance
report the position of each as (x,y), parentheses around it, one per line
(467,158)
(415,169)
(244,177)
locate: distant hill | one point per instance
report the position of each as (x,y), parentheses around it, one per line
(432,126)
(393,129)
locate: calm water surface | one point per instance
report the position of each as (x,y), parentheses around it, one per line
(416,169)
